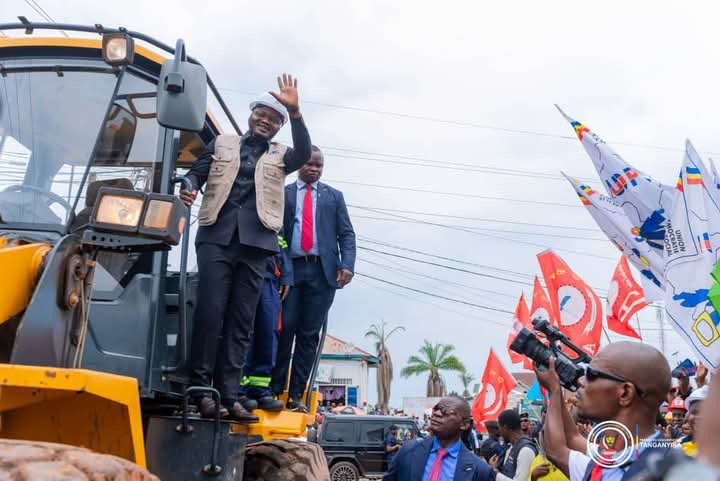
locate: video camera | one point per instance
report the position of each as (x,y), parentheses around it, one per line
(530,345)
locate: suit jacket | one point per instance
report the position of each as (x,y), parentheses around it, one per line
(409,463)
(336,237)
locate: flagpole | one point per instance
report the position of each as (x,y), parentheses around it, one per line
(659,315)
(607,336)
(637,318)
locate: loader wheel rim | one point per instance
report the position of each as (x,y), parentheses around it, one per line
(344,473)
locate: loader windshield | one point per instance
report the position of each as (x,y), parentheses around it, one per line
(51,117)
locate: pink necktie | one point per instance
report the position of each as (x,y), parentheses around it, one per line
(436,469)
(306,237)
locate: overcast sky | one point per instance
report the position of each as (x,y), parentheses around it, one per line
(471,83)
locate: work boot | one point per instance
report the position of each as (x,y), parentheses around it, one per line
(247,403)
(240,414)
(207,408)
(296,406)
(269,403)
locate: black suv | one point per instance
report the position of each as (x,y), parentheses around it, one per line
(355,445)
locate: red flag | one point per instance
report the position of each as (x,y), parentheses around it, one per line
(493,396)
(579,308)
(541,307)
(625,298)
(520,320)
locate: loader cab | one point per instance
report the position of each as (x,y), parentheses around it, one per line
(72,123)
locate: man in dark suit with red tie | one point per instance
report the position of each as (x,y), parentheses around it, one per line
(322,246)
(443,456)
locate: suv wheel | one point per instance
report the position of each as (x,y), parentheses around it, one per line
(344,471)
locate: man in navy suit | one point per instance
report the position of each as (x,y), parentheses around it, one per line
(443,456)
(322,246)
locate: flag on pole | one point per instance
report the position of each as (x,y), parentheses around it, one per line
(541,307)
(579,308)
(646,202)
(612,220)
(715,177)
(520,319)
(625,298)
(692,244)
(495,391)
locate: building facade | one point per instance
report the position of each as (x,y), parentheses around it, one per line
(343,373)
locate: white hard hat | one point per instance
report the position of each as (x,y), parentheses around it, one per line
(699,394)
(268,100)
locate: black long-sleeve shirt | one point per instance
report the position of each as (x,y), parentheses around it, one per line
(239,213)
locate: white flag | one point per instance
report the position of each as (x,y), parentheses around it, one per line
(613,221)
(692,244)
(646,202)
(715,177)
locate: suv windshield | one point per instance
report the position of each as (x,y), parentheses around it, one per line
(50,119)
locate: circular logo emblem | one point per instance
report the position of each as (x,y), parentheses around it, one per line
(572,305)
(610,444)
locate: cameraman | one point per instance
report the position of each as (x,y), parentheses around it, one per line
(625,382)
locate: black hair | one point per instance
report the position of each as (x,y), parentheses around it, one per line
(393,427)
(510,419)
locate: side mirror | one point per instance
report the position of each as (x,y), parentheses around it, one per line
(182,93)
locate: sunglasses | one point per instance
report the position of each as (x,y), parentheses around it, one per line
(443,410)
(591,374)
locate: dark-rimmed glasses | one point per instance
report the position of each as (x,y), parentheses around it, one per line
(592,374)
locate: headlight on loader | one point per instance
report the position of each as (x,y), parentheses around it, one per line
(138,216)
(118,210)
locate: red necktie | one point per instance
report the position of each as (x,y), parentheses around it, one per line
(596,473)
(306,238)
(436,469)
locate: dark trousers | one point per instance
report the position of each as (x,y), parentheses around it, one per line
(263,348)
(304,313)
(230,280)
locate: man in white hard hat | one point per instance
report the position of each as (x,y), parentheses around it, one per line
(693,404)
(240,216)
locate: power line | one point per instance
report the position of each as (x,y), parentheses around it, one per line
(41,11)
(454,194)
(398,268)
(465,271)
(466,168)
(487,229)
(459,301)
(465,123)
(387,290)
(444,266)
(483,219)
(451,259)
(516,241)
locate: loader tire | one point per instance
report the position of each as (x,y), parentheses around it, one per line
(285,460)
(36,461)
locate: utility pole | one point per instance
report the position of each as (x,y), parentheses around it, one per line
(660,317)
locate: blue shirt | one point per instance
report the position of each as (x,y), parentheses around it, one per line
(295,249)
(449,462)
(390,441)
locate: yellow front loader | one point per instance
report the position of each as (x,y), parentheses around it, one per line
(96,298)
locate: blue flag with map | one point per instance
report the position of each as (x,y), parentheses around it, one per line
(613,221)
(692,244)
(646,202)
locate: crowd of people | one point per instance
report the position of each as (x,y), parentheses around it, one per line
(270,259)
(580,436)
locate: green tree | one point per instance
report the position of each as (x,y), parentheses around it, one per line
(466,378)
(378,333)
(433,358)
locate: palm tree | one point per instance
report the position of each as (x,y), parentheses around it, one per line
(433,359)
(466,378)
(385,370)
